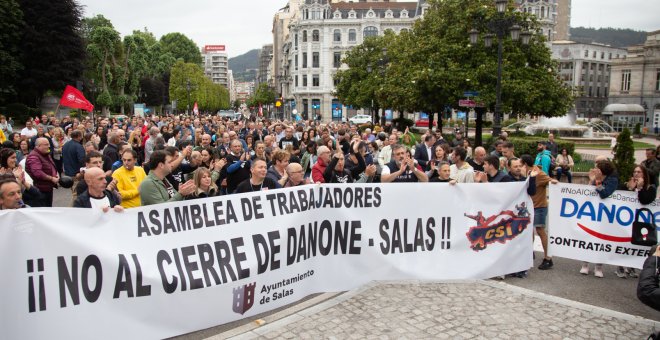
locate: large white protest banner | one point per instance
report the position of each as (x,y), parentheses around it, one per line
(169,269)
(582,226)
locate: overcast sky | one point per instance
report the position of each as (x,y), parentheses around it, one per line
(243,25)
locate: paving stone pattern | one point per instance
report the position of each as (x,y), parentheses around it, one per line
(453,311)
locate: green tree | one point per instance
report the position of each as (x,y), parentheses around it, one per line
(624,158)
(11,25)
(104,45)
(186,81)
(263,95)
(357,86)
(181,47)
(52,51)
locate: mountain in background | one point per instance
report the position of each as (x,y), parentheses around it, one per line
(614,37)
(245,66)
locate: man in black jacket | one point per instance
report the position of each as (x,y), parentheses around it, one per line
(96,195)
(648,288)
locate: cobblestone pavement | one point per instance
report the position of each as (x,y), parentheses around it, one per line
(458,310)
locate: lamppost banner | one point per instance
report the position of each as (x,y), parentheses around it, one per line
(163,270)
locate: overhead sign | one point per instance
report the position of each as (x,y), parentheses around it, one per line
(470,93)
(215,48)
(466,103)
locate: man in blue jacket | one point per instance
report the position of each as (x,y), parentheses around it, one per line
(73,158)
(543,158)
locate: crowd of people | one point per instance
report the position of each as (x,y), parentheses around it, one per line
(120,164)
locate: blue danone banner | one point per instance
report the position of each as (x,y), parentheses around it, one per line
(582,226)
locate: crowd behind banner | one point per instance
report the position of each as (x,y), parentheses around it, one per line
(118,164)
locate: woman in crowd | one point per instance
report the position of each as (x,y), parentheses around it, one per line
(304,140)
(100,138)
(440,154)
(208,156)
(646,193)
(10,166)
(313,136)
(206,187)
(564,165)
(249,141)
(59,138)
(467,147)
(309,158)
(135,140)
(355,162)
(23,150)
(603,177)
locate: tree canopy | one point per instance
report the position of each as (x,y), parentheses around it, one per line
(181,47)
(429,67)
(189,78)
(11,24)
(52,52)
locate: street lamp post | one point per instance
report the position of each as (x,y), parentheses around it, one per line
(500,25)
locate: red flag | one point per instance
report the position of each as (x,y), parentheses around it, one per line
(75,99)
(261,111)
(195,109)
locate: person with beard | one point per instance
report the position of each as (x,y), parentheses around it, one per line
(179,167)
(335,172)
(440,173)
(543,158)
(129,177)
(402,168)
(491,173)
(238,167)
(290,139)
(156,188)
(258,180)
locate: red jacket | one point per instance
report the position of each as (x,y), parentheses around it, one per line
(40,167)
(317,171)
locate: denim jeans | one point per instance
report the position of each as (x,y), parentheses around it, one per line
(561,171)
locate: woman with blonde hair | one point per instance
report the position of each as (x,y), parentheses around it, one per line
(205,185)
(58,138)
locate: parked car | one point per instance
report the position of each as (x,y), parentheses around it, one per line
(360,119)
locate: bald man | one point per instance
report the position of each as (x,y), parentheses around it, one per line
(97,196)
(296,175)
(41,167)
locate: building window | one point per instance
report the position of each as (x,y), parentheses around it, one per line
(598,92)
(625,80)
(295,41)
(304,77)
(295,61)
(336,60)
(336,36)
(296,80)
(602,55)
(595,54)
(586,52)
(610,56)
(589,91)
(304,36)
(315,80)
(315,35)
(657,79)
(315,59)
(335,81)
(305,107)
(351,35)
(370,31)
(304,60)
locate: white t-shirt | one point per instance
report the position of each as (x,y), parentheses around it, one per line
(29,133)
(99,203)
